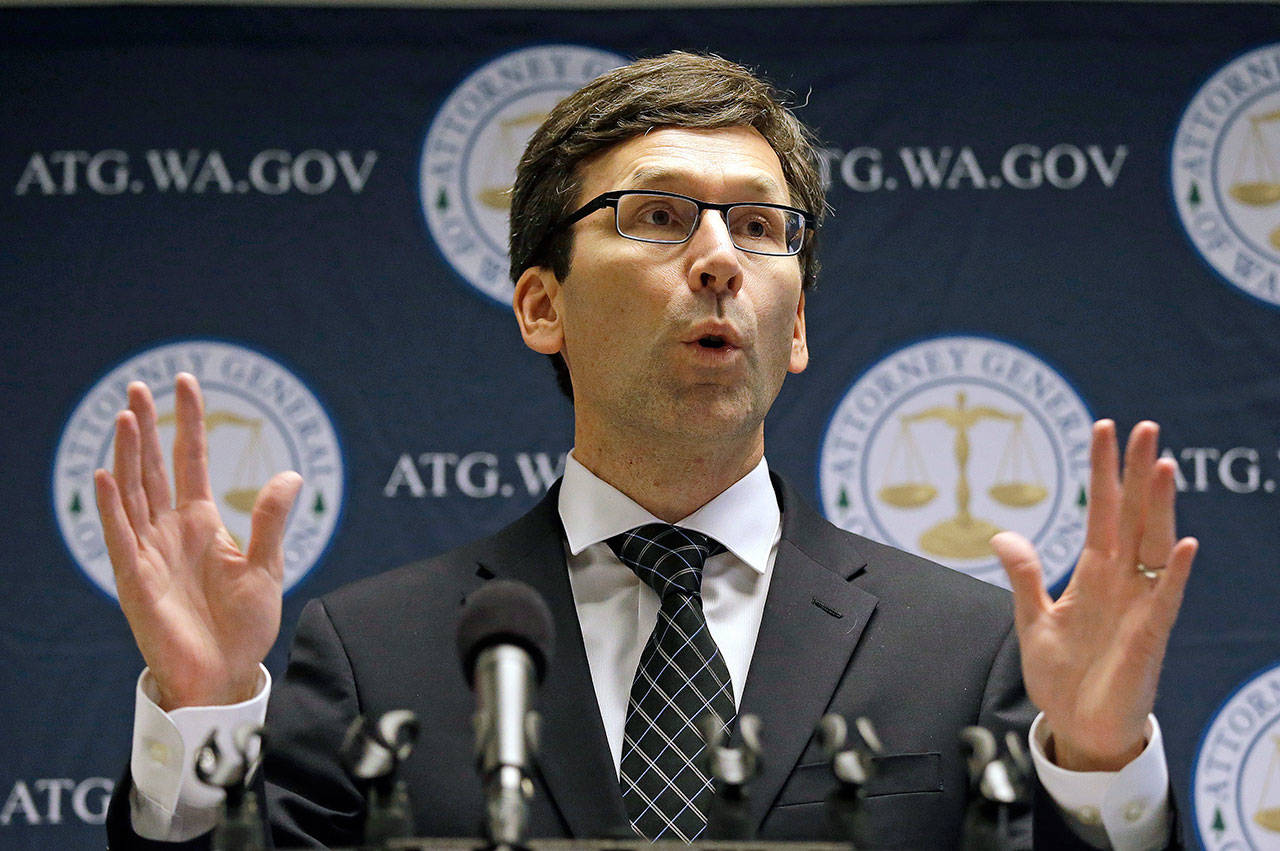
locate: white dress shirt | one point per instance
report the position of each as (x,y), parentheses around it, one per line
(1128,809)
(618,611)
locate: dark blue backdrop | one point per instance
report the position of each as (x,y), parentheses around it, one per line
(251,193)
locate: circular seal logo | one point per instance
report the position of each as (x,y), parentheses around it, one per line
(945,442)
(474,143)
(260,419)
(1226,172)
(1235,785)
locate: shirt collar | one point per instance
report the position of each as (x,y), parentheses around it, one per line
(744,517)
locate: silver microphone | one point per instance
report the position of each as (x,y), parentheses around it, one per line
(504,638)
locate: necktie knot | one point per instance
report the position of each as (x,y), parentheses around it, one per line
(669,559)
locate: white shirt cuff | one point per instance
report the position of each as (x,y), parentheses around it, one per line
(1126,809)
(168,802)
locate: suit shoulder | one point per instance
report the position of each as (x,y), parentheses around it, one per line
(893,575)
(449,576)
(928,579)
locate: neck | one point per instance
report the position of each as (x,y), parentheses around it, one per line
(669,480)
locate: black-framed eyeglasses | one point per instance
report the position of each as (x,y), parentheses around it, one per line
(668,218)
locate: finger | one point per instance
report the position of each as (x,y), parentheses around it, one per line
(270,514)
(1104,488)
(1139,461)
(122,546)
(128,473)
(1022,565)
(1159,532)
(154,480)
(1172,581)
(190,448)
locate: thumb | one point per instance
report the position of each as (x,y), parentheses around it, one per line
(1022,566)
(270,514)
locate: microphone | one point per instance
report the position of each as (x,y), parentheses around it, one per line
(505,635)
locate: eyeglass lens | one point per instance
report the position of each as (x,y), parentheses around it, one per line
(662,218)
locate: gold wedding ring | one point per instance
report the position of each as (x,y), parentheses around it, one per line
(1150,572)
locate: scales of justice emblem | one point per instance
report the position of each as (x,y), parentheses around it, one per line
(475,140)
(1236,777)
(259,419)
(943,443)
(963,536)
(1266,811)
(513,134)
(1225,172)
(1255,180)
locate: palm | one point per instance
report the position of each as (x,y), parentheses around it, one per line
(1091,659)
(204,613)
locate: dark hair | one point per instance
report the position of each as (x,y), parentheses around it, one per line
(676,89)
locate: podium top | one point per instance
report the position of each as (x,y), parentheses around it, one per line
(638,844)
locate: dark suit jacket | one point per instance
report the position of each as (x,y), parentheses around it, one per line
(850,626)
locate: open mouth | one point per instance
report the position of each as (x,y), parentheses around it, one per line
(711,342)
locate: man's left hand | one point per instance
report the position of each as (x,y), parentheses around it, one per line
(1091,660)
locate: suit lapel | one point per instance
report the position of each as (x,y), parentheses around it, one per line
(813,618)
(575,764)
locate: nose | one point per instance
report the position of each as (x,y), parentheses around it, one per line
(714,261)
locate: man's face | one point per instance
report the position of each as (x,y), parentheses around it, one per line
(686,342)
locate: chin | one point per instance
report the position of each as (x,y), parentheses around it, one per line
(722,414)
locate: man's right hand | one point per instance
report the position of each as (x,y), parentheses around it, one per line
(204,614)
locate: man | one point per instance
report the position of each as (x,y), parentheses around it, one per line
(662,244)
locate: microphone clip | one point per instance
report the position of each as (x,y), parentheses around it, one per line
(240,827)
(731,769)
(373,754)
(999,787)
(853,756)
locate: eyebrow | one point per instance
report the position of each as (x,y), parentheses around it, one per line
(657,177)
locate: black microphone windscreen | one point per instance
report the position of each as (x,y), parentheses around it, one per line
(505,612)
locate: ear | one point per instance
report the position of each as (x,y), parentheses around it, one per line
(537,307)
(799,347)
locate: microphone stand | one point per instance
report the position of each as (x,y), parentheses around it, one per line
(730,769)
(853,767)
(372,754)
(241,827)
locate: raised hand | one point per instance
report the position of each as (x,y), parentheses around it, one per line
(1091,660)
(204,613)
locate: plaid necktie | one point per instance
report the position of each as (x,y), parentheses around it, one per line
(681,677)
